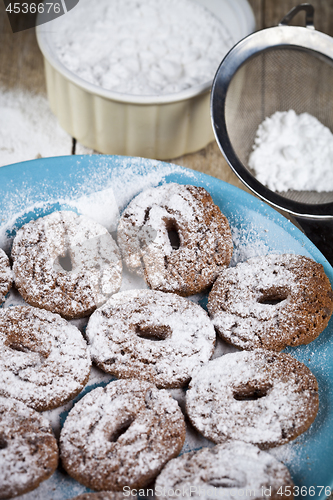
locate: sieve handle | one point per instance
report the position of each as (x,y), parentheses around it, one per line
(309,14)
(320,232)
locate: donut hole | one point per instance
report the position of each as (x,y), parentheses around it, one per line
(146,217)
(65,261)
(273,296)
(173,233)
(3,443)
(251,393)
(28,343)
(153,332)
(42,356)
(121,429)
(16,346)
(227,482)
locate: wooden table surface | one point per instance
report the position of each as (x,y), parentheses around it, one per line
(21,65)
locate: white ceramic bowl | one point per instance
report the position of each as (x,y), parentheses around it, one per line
(161,127)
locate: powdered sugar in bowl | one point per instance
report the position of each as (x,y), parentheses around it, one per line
(133,78)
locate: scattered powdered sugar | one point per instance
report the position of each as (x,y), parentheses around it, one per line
(59,486)
(285,453)
(102,193)
(100,205)
(246,243)
(57,416)
(193,440)
(28,128)
(134,47)
(293,152)
(6,276)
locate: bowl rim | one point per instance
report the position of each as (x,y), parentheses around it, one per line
(43,39)
(241,8)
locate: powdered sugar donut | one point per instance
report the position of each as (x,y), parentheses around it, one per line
(150,335)
(28,448)
(271,302)
(66,263)
(260,397)
(44,360)
(6,277)
(176,238)
(226,471)
(121,435)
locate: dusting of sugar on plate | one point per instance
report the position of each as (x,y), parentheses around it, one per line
(102,195)
(127,180)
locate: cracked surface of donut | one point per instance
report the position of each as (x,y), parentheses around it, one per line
(28,448)
(44,360)
(121,435)
(260,397)
(176,238)
(6,276)
(224,471)
(150,335)
(271,302)
(66,263)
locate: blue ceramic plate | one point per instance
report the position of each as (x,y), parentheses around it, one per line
(101,186)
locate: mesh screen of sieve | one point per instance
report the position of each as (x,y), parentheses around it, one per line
(279,79)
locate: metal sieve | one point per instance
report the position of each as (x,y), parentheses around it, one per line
(281,68)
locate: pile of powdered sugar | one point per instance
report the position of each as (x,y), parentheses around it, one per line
(149,47)
(293,152)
